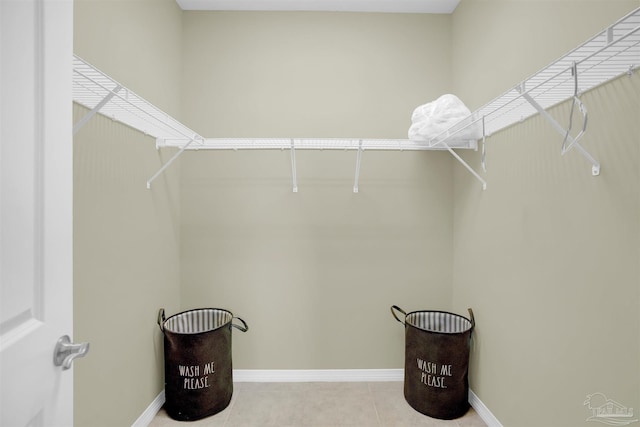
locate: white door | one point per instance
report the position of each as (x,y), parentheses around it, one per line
(36,289)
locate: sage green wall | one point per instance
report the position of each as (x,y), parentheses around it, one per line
(548,255)
(136,42)
(313,74)
(126,238)
(315,272)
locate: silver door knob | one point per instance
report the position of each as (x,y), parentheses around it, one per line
(66,351)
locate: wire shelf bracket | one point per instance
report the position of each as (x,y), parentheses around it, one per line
(83,121)
(358,160)
(293,167)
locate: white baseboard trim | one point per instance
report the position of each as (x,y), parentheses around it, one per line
(484,412)
(317,375)
(147,416)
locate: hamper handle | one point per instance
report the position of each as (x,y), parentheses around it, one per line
(472,318)
(161,319)
(243,328)
(395,307)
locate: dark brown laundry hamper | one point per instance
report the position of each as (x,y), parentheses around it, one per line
(197,362)
(436,365)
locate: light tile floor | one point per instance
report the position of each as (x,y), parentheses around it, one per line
(352,404)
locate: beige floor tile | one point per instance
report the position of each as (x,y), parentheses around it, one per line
(339,404)
(394,411)
(348,404)
(162,419)
(471,419)
(262,407)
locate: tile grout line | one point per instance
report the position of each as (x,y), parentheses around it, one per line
(375,407)
(234,398)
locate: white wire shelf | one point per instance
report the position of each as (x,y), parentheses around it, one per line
(318,144)
(606,56)
(100,93)
(345,144)
(609,54)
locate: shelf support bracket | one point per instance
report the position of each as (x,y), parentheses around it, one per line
(166,165)
(483,156)
(358,159)
(293,167)
(83,121)
(466,165)
(595,165)
(443,143)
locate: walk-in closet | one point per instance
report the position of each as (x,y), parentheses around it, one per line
(256,158)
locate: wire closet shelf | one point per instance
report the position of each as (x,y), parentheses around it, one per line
(613,52)
(606,56)
(98,92)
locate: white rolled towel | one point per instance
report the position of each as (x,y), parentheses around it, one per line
(431,119)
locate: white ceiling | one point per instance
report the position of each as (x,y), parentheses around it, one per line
(390,6)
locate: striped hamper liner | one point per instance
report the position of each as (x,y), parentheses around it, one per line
(437,347)
(439,321)
(197,321)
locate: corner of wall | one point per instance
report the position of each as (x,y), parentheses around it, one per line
(126,238)
(528,252)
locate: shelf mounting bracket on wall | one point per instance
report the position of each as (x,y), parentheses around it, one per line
(469,168)
(358,160)
(166,165)
(293,167)
(95,109)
